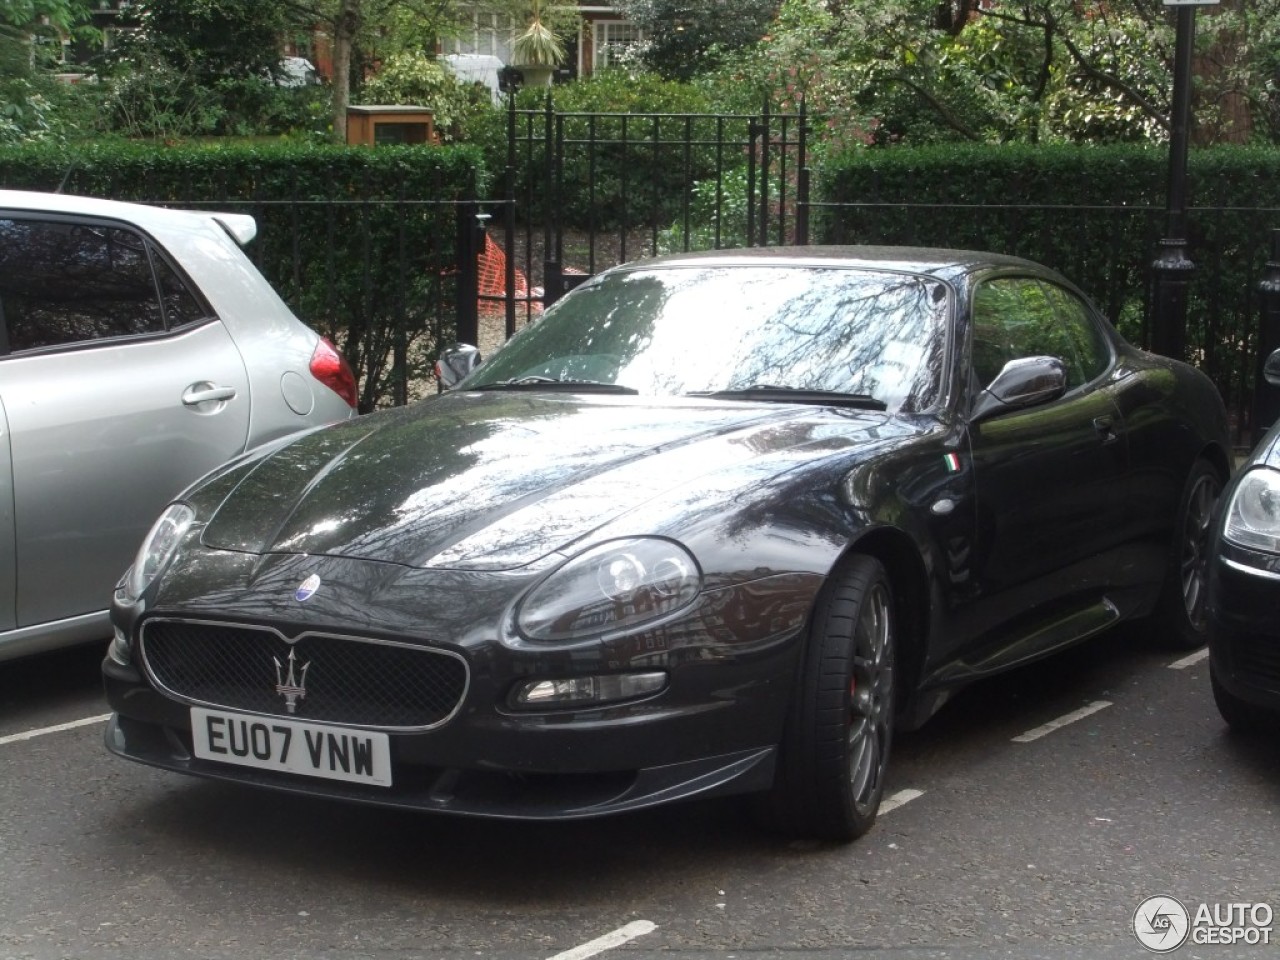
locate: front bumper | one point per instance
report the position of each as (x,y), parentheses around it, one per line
(1244,633)
(549,783)
(730,664)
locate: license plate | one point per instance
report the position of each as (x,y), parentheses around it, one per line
(292,746)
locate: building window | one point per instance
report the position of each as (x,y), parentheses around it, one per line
(612,37)
(488,33)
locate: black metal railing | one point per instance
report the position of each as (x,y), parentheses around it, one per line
(586,191)
(393,281)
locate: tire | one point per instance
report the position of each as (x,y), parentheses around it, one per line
(839,732)
(1180,613)
(1241,716)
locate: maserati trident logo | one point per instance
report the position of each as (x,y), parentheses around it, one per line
(307,588)
(292,688)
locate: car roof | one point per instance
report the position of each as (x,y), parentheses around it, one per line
(241,227)
(934,261)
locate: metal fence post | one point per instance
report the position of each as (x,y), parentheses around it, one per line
(1266,398)
(803,184)
(470,240)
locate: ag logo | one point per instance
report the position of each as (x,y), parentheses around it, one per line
(1161,924)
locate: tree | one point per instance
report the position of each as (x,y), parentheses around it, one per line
(31,35)
(211,39)
(685,37)
(25,21)
(207,39)
(380,26)
(1021,69)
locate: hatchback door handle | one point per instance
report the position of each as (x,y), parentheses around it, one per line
(1106,429)
(199,393)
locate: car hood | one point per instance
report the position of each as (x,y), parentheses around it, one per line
(499,480)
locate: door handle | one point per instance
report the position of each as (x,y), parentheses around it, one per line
(1106,429)
(199,393)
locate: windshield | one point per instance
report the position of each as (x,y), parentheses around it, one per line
(675,331)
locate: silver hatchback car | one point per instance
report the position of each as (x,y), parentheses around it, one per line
(139,348)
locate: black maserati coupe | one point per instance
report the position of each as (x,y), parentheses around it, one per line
(715,523)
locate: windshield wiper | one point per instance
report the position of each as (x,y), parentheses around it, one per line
(555,383)
(781,394)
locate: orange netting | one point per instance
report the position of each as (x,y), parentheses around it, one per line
(492,267)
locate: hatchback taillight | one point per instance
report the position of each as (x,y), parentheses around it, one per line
(331,368)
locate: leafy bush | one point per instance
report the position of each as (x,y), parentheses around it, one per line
(688,37)
(36,108)
(625,156)
(417,80)
(154,99)
(717,217)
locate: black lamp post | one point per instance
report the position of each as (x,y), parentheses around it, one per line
(1173,267)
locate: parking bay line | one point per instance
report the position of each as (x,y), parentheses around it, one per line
(609,941)
(32,734)
(1062,721)
(898,799)
(1190,661)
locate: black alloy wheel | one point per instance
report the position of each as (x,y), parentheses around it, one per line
(836,748)
(1181,614)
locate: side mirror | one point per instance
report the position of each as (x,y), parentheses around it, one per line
(1025,382)
(455,363)
(1271,369)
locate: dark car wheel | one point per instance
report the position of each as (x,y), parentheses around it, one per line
(836,747)
(1180,617)
(1241,716)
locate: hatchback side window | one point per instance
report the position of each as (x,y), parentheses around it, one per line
(180,306)
(64,283)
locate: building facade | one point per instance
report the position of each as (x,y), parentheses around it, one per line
(603,35)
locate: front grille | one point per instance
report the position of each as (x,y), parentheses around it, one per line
(348,680)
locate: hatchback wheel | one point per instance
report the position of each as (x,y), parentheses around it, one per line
(836,748)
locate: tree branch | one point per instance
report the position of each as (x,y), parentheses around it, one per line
(950,119)
(1115,83)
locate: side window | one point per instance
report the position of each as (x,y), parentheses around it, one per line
(63,283)
(1017,317)
(1092,352)
(180,306)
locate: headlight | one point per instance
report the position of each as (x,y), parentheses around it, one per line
(158,549)
(1253,516)
(614,586)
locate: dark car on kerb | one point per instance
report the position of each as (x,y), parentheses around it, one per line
(1244,588)
(714,524)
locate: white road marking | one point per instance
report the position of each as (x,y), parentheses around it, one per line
(1190,661)
(898,799)
(32,734)
(609,941)
(1062,721)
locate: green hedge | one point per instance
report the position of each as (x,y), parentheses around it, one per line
(360,242)
(626,136)
(1095,213)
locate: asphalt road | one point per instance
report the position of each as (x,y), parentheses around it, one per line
(1007,840)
